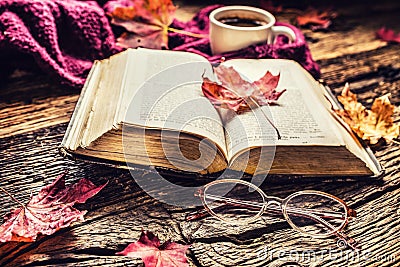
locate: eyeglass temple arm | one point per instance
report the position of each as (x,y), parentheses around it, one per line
(196,215)
(302,212)
(201,213)
(348,240)
(351,242)
(248,204)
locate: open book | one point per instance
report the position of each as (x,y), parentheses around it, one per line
(146,107)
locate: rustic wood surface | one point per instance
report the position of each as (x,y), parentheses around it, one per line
(34,115)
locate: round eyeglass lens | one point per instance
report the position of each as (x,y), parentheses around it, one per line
(235,202)
(315,214)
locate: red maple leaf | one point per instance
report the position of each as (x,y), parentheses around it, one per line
(48,211)
(316,19)
(146,23)
(269,6)
(233,92)
(388,35)
(153,254)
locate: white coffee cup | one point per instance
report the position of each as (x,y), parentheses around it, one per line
(236,27)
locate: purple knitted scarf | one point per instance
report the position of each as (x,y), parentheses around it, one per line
(64,37)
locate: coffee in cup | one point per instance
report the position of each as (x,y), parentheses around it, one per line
(236,27)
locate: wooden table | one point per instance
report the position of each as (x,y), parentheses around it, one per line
(34,115)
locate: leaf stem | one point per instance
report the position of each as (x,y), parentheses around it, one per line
(266,117)
(191,34)
(12,197)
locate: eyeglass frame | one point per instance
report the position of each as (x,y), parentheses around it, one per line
(282,204)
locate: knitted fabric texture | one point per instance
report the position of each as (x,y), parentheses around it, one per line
(61,37)
(64,37)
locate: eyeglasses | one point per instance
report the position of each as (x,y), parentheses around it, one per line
(313,213)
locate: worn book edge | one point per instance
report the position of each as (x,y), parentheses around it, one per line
(338,106)
(65,152)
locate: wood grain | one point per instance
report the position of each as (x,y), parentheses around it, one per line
(20,118)
(33,118)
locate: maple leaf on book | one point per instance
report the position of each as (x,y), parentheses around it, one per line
(234,92)
(153,253)
(51,209)
(370,125)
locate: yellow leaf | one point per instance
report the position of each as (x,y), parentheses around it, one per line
(370,125)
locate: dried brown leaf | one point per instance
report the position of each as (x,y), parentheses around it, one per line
(370,125)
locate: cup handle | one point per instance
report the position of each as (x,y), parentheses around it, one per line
(283,30)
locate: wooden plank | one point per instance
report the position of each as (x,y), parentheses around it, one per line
(115,219)
(21,118)
(30,160)
(32,101)
(381,64)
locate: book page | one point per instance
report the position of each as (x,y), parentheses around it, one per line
(300,114)
(163,90)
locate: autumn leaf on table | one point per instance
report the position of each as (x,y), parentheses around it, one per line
(388,35)
(51,209)
(146,23)
(153,254)
(316,19)
(270,6)
(233,92)
(370,125)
